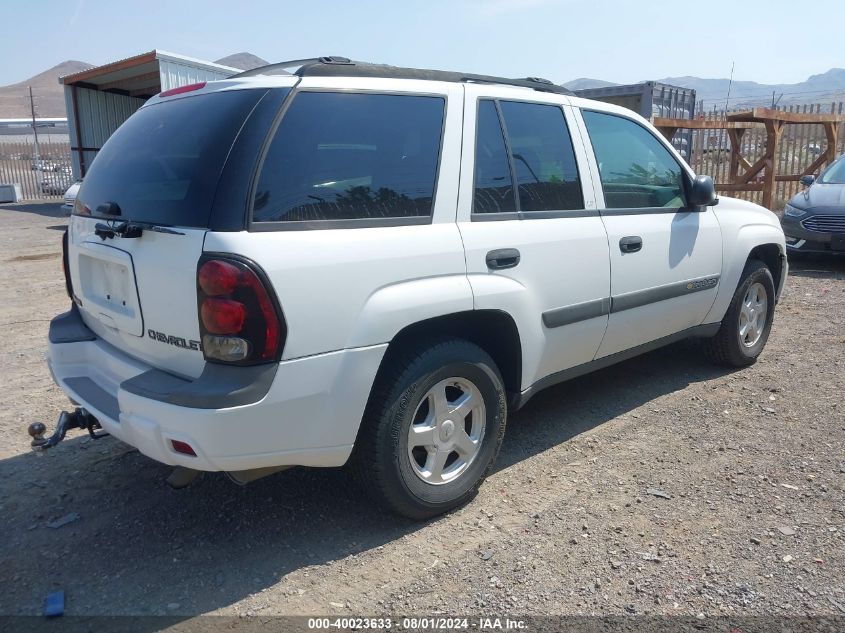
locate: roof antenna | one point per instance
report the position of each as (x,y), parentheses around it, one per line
(730,82)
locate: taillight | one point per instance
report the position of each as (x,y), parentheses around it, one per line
(65,265)
(217,278)
(240,321)
(181,89)
(223,316)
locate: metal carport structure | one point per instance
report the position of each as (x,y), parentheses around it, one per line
(99,99)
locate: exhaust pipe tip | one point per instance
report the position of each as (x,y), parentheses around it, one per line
(181,477)
(243,477)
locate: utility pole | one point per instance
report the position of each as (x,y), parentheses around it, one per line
(37,151)
(730,83)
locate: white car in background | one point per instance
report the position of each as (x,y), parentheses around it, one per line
(70,197)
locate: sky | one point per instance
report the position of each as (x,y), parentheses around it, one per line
(771,41)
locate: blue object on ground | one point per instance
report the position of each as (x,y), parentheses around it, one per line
(54,605)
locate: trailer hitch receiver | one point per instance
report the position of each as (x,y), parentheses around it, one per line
(79,419)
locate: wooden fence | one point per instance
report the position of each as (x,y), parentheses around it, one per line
(799,146)
(47,176)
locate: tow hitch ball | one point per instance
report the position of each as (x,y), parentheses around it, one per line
(79,419)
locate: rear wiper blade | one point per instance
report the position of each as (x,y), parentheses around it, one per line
(129,229)
(110,230)
(158,228)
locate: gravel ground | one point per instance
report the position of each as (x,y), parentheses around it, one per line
(662,485)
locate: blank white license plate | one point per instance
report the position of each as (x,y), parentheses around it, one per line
(107,288)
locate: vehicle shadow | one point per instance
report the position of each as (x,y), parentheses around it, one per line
(52,209)
(138,547)
(564,411)
(818,266)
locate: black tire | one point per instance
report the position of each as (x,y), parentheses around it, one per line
(381,459)
(726,347)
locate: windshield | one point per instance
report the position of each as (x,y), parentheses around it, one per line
(163,164)
(835,174)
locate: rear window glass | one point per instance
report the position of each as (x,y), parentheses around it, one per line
(163,164)
(351,156)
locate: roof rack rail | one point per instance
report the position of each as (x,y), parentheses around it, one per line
(293,63)
(336,66)
(535,83)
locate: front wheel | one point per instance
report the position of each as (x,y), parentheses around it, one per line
(748,321)
(432,429)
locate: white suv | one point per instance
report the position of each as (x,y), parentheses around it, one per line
(365,263)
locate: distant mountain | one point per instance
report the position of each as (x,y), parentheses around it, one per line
(48,93)
(829,86)
(826,87)
(244,61)
(585,82)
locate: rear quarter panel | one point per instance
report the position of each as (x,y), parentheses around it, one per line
(343,288)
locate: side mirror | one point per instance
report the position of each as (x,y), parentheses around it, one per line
(808,180)
(703,192)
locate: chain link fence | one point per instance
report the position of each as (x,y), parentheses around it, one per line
(45,173)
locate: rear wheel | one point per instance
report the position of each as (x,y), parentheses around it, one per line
(432,429)
(748,321)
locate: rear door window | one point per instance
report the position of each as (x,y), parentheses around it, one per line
(493,180)
(352,156)
(163,164)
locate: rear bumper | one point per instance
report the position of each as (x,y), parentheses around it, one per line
(306,412)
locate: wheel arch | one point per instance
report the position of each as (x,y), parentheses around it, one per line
(494,331)
(771,255)
(751,241)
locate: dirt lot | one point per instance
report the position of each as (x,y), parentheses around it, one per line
(575,519)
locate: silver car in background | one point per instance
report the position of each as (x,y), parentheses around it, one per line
(70,197)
